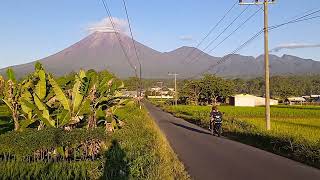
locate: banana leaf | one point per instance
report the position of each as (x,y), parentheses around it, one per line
(59,94)
(64,118)
(10,75)
(28,97)
(40,114)
(41,87)
(77,96)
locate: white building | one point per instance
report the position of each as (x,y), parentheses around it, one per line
(249,100)
(295,100)
(160,97)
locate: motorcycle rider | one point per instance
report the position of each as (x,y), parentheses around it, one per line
(213,114)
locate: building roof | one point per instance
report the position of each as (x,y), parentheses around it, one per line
(243,95)
(296,99)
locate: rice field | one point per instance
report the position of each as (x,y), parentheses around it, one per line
(295,130)
(297,122)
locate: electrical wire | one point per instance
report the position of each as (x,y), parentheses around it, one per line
(225,58)
(210,32)
(211,42)
(241,25)
(106,7)
(132,38)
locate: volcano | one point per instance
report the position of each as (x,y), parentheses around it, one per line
(102,50)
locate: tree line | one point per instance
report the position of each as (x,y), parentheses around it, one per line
(212,88)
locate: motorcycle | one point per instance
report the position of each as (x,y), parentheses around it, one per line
(216,125)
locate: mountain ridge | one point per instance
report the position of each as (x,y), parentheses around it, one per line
(101,50)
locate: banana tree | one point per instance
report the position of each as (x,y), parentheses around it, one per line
(15,94)
(71,112)
(2,82)
(102,95)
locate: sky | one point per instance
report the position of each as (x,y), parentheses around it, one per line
(34,29)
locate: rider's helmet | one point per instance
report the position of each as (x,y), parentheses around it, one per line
(214,108)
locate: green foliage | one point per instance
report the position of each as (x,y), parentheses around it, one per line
(206,90)
(137,151)
(59,93)
(45,170)
(147,153)
(33,145)
(42,98)
(295,130)
(2,84)
(10,75)
(281,87)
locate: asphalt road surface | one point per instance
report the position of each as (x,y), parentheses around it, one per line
(209,157)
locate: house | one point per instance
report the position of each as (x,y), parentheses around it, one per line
(315,98)
(249,100)
(160,97)
(132,94)
(294,100)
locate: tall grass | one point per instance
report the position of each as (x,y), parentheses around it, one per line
(295,130)
(147,151)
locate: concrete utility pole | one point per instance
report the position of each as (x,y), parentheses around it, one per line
(265,4)
(175,87)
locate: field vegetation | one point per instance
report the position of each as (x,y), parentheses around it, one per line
(295,129)
(78,127)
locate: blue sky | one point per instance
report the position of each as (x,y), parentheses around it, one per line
(31,30)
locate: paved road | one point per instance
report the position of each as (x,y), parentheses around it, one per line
(208,157)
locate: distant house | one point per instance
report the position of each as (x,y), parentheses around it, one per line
(249,100)
(132,94)
(160,97)
(315,98)
(155,89)
(294,100)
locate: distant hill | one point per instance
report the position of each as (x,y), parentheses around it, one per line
(101,50)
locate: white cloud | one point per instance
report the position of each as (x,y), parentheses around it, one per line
(294,46)
(105,25)
(186,38)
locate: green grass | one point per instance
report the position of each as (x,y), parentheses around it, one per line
(295,129)
(137,151)
(147,150)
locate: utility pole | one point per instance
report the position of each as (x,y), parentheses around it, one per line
(265,4)
(175,87)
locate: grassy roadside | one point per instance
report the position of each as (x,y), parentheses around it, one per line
(147,149)
(137,151)
(298,138)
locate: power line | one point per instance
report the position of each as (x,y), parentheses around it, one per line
(211,30)
(299,19)
(133,42)
(106,7)
(242,24)
(211,42)
(224,59)
(134,45)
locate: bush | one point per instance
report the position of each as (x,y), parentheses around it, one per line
(51,144)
